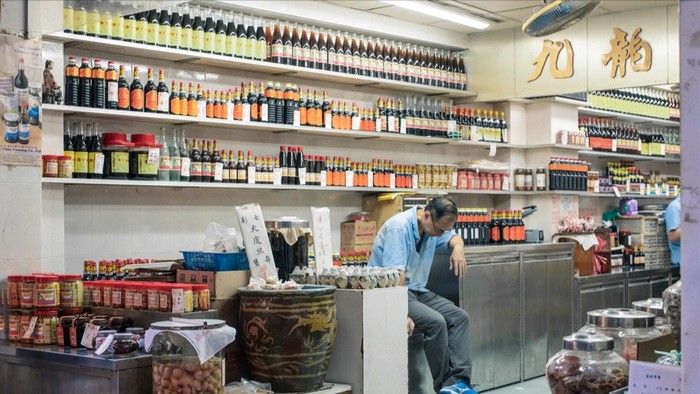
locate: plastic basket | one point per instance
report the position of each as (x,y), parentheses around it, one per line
(202,261)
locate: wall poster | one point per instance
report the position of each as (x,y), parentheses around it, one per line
(20,98)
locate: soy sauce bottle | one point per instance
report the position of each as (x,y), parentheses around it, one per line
(72,83)
(85,84)
(98,85)
(111,86)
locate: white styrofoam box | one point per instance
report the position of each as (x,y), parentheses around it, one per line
(652,378)
(371,346)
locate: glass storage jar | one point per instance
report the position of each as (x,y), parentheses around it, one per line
(26,292)
(14,283)
(201,298)
(626,326)
(124,344)
(654,306)
(63,330)
(71,291)
(13,326)
(46,292)
(586,364)
(45,329)
(175,356)
(101,336)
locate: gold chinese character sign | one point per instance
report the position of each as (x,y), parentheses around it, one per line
(550,52)
(621,51)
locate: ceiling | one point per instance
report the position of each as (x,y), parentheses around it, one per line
(505,14)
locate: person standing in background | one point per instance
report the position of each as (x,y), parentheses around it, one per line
(407,242)
(673,229)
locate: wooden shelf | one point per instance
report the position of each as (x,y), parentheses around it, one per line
(234,63)
(117,115)
(240,186)
(614,155)
(627,117)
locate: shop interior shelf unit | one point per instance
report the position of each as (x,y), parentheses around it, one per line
(179,120)
(605,195)
(614,155)
(235,63)
(627,117)
(241,186)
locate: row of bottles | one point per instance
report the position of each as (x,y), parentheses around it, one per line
(649,102)
(93,86)
(246,36)
(82,143)
(476,227)
(568,174)
(610,136)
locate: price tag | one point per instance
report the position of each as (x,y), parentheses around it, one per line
(492,150)
(251,175)
(390,124)
(370,179)
(649,378)
(414,181)
(355,123)
(153,155)
(323,250)
(392,181)
(185,167)
(302,176)
(277,176)
(454,180)
(402,127)
(89,335)
(329,120)
(378,125)
(297,118)
(324,173)
(349,175)
(218,171)
(105,344)
(178,300)
(30,330)
(616,191)
(99,163)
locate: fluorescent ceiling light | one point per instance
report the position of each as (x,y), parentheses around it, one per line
(441,13)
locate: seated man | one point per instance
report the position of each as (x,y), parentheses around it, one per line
(407,242)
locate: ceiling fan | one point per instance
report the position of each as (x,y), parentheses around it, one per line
(557,15)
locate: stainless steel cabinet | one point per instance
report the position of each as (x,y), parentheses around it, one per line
(519,299)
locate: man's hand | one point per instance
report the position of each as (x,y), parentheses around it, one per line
(410,326)
(458,263)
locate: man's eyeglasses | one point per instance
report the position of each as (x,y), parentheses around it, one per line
(439,231)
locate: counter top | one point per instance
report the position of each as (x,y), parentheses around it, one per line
(618,273)
(528,247)
(75,356)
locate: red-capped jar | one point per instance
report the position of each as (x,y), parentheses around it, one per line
(45,329)
(97,293)
(165,293)
(201,299)
(128,295)
(118,295)
(71,293)
(26,292)
(107,293)
(49,166)
(139,293)
(153,302)
(88,286)
(46,292)
(14,283)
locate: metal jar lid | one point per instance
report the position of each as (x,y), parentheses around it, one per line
(651,305)
(620,318)
(286,222)
(588,342)
(188,324)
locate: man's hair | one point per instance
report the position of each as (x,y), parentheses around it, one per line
(441,206)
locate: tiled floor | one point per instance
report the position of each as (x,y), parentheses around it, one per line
(532,386)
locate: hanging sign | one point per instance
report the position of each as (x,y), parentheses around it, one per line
(257,245)
(323,250)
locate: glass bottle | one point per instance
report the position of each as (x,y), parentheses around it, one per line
(164,160)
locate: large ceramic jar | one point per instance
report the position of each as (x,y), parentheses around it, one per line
(288,335)
(586,364)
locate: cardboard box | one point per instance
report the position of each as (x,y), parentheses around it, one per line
(356,232)
(371,346)
(222,284)
(353,247)
(381,210)
(645,349)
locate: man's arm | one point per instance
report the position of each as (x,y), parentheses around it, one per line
(675,235)
(458,263)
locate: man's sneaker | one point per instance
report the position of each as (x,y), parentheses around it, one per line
(461,387)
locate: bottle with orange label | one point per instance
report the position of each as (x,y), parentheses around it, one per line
(252,99)
(237,105)
(150,92)
(209,108)
(174,99)
(183,99)
(98,84)
(72,82)
(123,93)
(136,90)
(85,84)
(191,109)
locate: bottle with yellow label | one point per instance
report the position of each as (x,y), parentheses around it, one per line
(68,17)
(198,34)
(93,22)
(106,25)
(164,29)
(80,157)
(176,31)
(153,29)
(117,22)
(209,36)
(80,20)
(129,30)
